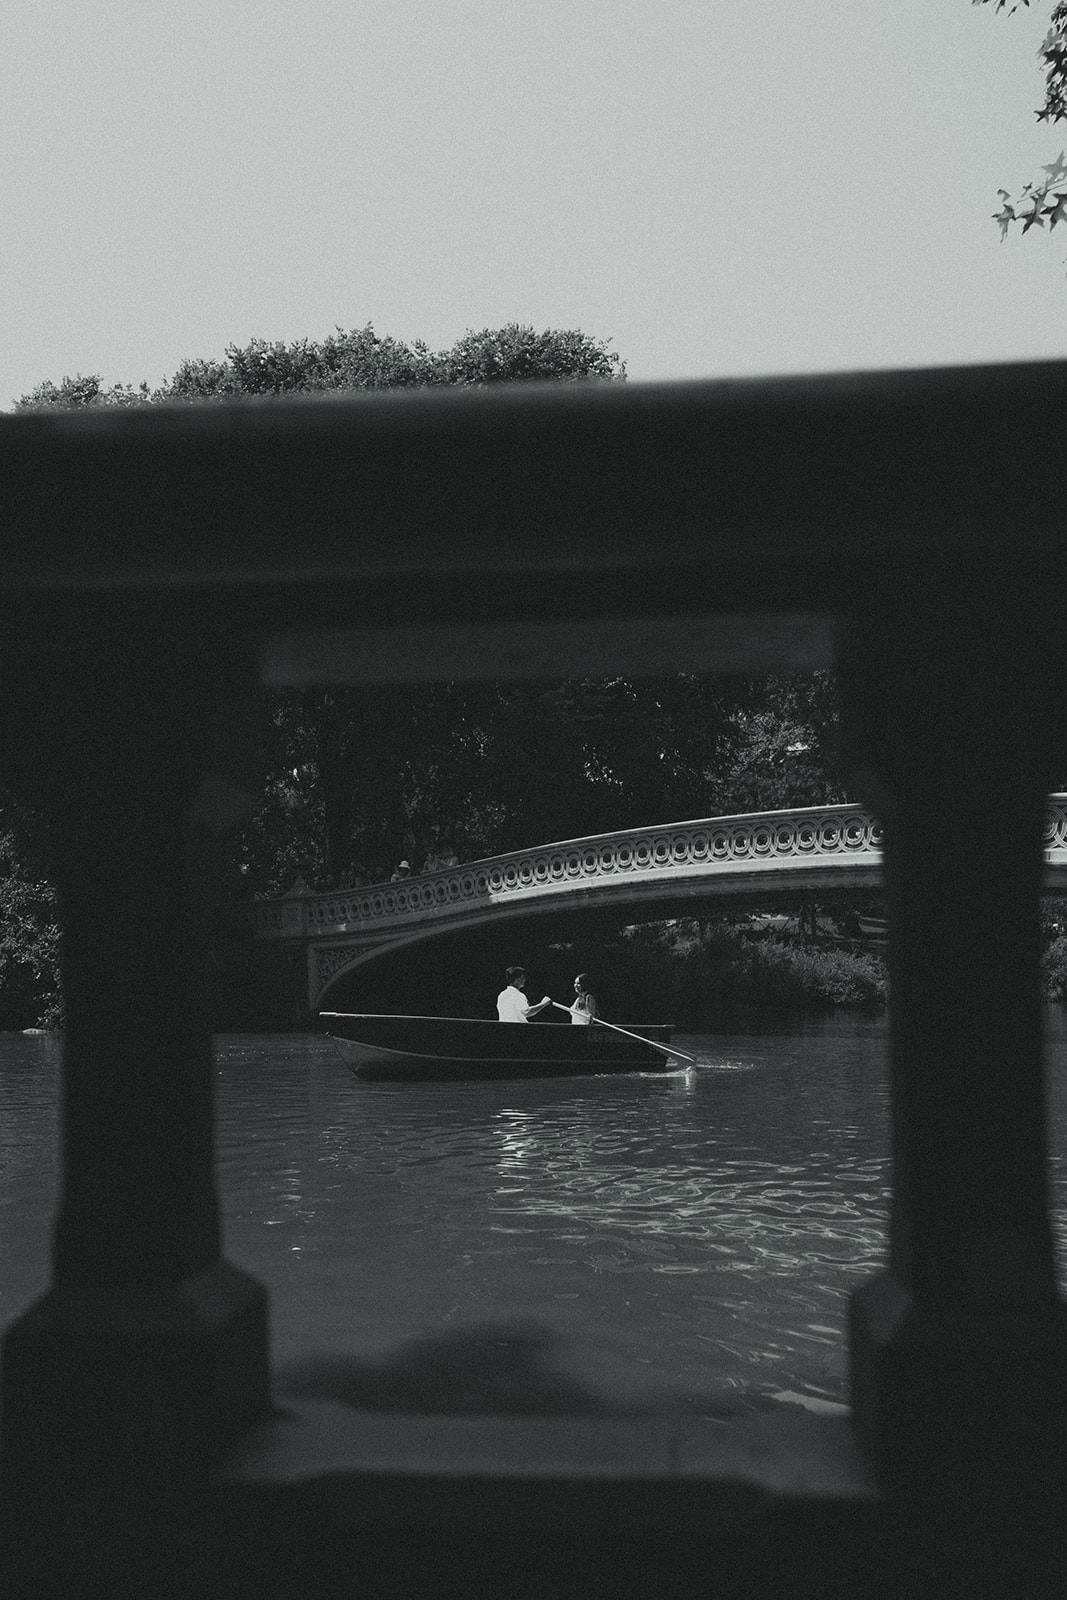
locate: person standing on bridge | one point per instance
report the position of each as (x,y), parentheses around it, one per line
(584,1008)
(511,1003)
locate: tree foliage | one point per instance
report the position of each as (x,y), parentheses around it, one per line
(359,359)
(786,750)
(1044,200)
(29,925)
(80,394)
(362,778)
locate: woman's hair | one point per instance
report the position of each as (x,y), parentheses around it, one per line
(515,972)
(583,979)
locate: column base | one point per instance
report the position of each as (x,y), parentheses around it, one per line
(964,1403)
(147,1390)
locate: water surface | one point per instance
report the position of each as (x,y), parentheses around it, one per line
(684,1240)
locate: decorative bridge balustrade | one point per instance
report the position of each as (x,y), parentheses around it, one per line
(722,847)
(739,852)
(809,849)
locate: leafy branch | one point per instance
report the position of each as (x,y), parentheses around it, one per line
(1042,201)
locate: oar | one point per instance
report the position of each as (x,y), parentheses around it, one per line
(638,1036)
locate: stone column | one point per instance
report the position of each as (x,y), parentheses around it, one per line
(148,1355)
(959,1349)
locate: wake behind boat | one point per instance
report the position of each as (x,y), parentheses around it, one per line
(375,1045)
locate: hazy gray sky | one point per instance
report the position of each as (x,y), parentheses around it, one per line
(716,187)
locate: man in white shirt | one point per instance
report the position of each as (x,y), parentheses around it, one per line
(511,1003)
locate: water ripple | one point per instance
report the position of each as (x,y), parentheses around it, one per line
(703,1229)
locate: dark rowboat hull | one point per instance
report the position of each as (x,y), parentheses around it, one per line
(378,1046)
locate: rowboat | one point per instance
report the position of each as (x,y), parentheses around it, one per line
(391,1047)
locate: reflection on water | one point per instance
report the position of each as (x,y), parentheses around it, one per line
(687,1239)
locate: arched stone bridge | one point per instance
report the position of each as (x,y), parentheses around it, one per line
(657,869)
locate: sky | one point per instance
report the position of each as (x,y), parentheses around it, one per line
(712,187)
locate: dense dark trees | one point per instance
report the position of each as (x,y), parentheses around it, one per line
(29,923)
(365,777)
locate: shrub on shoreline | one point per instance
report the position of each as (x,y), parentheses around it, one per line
(706,971)
(1054,970)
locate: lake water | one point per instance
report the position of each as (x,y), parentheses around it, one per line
(684,1241)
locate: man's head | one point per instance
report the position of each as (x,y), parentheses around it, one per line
(516,977)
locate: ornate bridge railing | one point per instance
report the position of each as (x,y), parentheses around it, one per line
(751,845)
(755,854)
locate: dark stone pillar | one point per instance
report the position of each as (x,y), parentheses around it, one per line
(959,1349)
(149,1353)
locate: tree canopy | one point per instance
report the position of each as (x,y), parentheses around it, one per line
(360,778)
(359,359)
